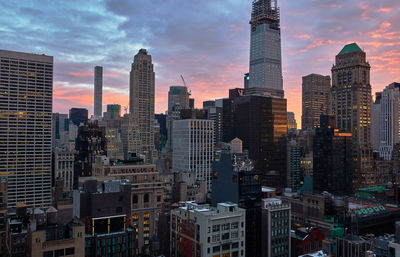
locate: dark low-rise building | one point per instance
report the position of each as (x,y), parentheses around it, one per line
(106,213)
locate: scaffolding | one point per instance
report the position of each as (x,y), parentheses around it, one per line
(265,11)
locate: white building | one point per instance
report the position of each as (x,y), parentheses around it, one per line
(26,96)
(207,231)
(64,167)
(389,120)
(193,148)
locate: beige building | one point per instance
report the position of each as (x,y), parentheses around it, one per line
(148,193)
(315,99)
(141,102)
(74,246)
(351,104)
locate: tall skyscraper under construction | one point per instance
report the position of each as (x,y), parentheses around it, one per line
(265,49)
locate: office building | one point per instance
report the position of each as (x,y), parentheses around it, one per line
(63,167)
(201,230)
(193,148)
(295,173)
(353,246)
(261,123)
(106,213)
(351,104)
(275,227)
(54,239)
(3,217)
(162,121)
(113,112)
(315,99)
(332,161)
(89,143)
(265,49)
(26,85)
(191,103)
(376,121)
(178,96)
(141,102)
(389,120)
(78,116)
(147,194)
(98,91)
(215,114)
(235,180)
(291,121)
(60,127)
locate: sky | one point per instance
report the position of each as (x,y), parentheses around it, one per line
(206,41)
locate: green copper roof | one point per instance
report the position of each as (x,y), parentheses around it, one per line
(350,48)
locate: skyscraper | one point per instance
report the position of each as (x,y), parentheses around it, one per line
(316,90)
(265,49)
(351,103)
(141,101)
(98,91)
(193,148)
(26,85)
(376,120)
(291,121)
(78,115)
(178,95)
(389,123)
(261,122)
(332,159)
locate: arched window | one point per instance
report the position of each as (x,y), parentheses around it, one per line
(135,199)
(146,198)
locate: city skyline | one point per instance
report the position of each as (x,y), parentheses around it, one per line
(211,51)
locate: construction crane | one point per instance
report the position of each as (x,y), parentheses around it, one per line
(184,83)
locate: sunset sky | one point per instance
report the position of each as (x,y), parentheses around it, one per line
(207,41)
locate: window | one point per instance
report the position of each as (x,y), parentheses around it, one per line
(235,225)
(215,228)
(70,251)
(225,226)
(48,254)
(235,245)
(225,236)
(59,252)
(146,198)
(135,199)
(216,249)
(226,247)
(235,234)
(215,238)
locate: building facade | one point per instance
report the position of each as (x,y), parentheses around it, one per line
(78,116)
(193,148)
(265,48)
(351,104)
(332,160)
(26,85)
(261,123)
(141,102)
(98,91)
(235,180)
(106,213)
(89,143)
(291,121)
(64,167)
(147,195)
(204,231)
(275,222)
(389,123)
(316,90)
